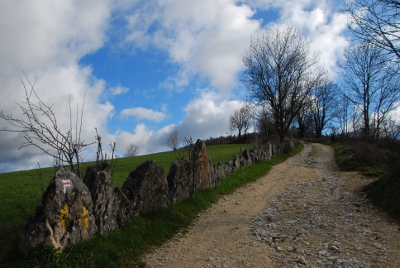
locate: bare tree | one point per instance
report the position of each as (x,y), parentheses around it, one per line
(281,72)
(42,130)
(173,140)
(322,107)
(341,114)
(132,150)
(240,120)
(371,85)
(376,22)
(391,129)
(265,121)
(189,145)
(304,118)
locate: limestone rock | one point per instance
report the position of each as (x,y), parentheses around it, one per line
(125,209)
(202,167)
(269,152)
(180,179)
(246,156)
(236,162)
(64,217)
(147,188)
(98,180)
(220,171)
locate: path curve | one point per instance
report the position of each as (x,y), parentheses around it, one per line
(284,219)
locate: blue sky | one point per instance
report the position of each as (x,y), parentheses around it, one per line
(147,67)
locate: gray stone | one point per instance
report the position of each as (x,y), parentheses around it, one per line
(98,180)
(246,156)
(301,259)
(203,171)
(147,188)
(180,179)
(270,152)
(236,162)
(323,252)
(125,209)
(220,171)
(64,217)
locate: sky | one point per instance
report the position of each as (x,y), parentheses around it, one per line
(141,69)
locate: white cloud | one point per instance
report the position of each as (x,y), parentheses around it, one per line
(42,32)
(209,38)
(118,90)
(206,38)
(143,114)
(207,116)
(148,141)
(46,40)
(322,22)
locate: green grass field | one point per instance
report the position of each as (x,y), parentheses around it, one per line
(20,192)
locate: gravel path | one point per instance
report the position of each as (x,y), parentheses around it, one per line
(304,213)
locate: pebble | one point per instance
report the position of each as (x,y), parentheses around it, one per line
(301,260)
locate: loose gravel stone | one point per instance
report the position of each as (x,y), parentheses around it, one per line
(329,219)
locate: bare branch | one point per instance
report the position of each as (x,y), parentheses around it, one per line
(173,140)
(41,130)
(376,22)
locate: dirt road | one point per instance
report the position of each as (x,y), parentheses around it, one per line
(303,213)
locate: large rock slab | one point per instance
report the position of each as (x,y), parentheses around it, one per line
(105,209)
(180,179)
(203,171)
(246,156)
(64,217)
(147,188)
(219,172)
(125,209)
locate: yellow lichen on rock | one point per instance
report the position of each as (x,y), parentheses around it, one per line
(64,216)
(84,221)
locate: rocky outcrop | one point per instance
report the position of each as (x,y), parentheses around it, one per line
(147,188)
(64,217)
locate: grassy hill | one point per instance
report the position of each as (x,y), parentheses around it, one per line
(21,191)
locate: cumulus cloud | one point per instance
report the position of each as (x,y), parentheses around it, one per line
(143,114)
(46,40)
(118,90)
(206,38)
(322,22)
(207,116)
(209,38)
(149,141)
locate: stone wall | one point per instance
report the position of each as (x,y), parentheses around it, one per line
(73,210)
